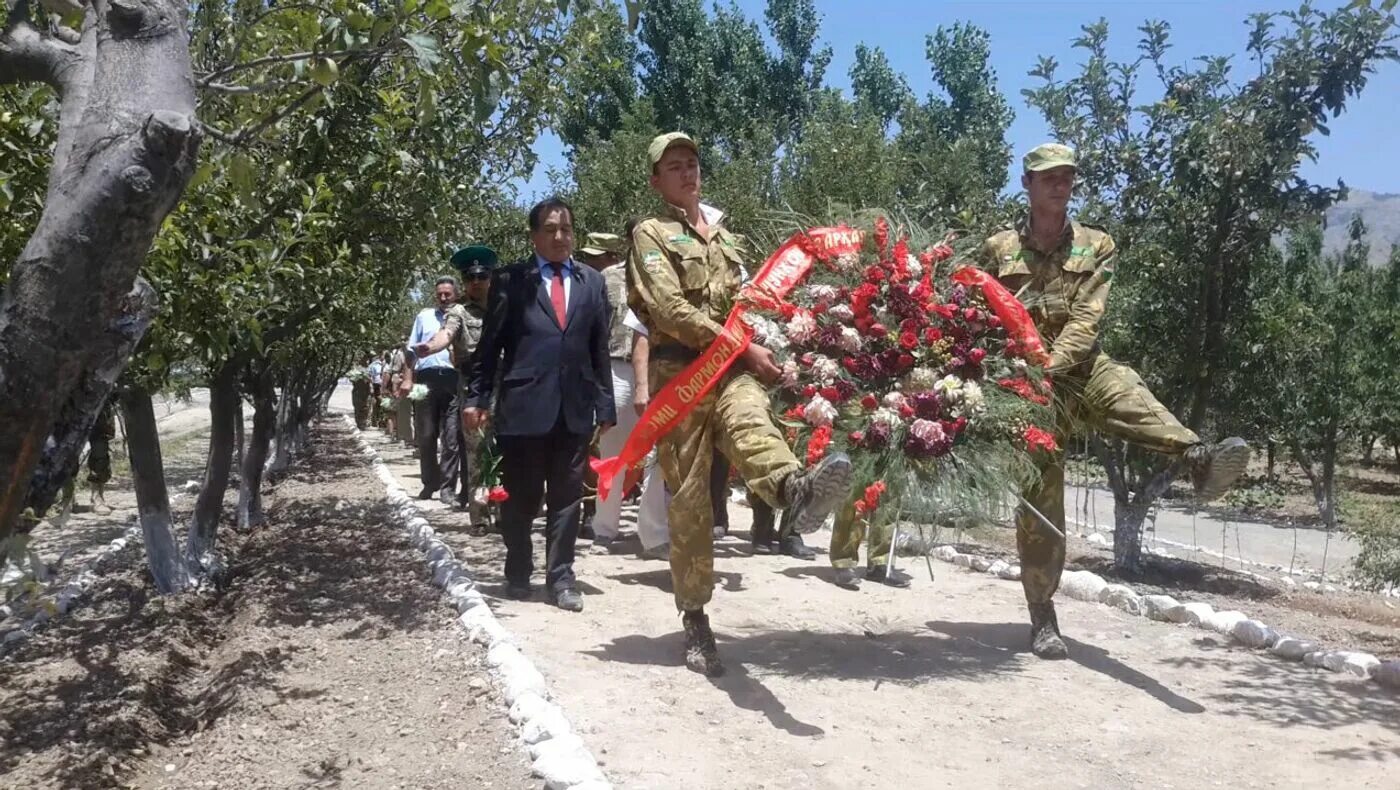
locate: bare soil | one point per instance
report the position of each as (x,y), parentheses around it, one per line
(326,660)
(931,686)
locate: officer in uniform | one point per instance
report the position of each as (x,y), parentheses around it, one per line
(683,276)
(461,330)
(1061,271)
(99,460)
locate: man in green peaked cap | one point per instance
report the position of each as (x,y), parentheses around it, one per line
(1060,270)
(461,330)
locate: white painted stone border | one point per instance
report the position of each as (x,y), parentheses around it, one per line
(1087,586)
(557,754)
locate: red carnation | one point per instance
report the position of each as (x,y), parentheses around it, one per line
(932,335)
(906,361)
(869,401)
(816,446)
(993,321)
(942,252)
(787,311)
(882,234)
(906,411)
(857,437)
(874,274)
(970,314)
(976,355)
(946,310)
(877,329)
(1040,439)
(909,340)
(831,394)
(809,390)
(497,494)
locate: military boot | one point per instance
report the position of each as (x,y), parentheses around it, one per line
(98,502)
(1216,467)
(1045,632)
(701,654)
(811,494)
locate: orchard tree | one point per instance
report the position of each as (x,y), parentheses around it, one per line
(1195,173)
(125,145)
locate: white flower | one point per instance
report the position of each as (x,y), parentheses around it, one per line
(850,339)
(894,400)
(419,392)
(916,269)
(887,417)
(819,411)
(919,380)
(927,431)
(790,373)
(822,292)
(949,385)
(1019,364)
(802,328)
(847,260)
(973,400)
(825,368)
(842,313)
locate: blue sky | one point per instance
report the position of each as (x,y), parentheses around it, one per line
(1363,150)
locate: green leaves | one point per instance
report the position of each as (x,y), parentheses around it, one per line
(425,48)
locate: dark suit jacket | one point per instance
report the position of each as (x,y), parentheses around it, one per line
(544,368)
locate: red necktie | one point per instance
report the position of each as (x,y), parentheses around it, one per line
(556,293)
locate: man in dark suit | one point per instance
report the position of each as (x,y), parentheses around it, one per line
(546,335)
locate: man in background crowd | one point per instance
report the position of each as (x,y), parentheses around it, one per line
(434,417)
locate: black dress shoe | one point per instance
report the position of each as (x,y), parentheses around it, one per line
(569,599)
(427,493)
(519,591)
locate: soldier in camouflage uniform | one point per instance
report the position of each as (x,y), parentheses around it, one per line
(603,519)
(1061,271)
(461,330)
(683,275)
(99,460)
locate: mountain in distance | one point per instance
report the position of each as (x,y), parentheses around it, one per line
(1380,212)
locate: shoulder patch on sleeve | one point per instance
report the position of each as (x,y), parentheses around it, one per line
(651,259)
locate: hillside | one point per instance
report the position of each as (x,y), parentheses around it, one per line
(1380,211)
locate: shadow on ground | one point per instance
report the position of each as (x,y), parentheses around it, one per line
(131,669)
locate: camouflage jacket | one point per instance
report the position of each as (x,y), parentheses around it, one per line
(1065,289)
(619,336)
(464,322)
(680,284)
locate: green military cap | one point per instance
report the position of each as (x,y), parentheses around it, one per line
(661,142)
(476,259)
(604,243)
(1047,156)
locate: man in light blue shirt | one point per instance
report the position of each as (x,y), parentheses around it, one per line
(438,430)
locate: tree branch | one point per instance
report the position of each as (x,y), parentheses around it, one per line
(346,55)
(26,55)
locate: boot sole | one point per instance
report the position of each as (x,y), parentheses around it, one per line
(1225,468)
(831,482)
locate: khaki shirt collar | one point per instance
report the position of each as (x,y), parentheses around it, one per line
(1027,239)
(713,216)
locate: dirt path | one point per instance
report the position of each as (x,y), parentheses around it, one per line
(327,661)
(927,687)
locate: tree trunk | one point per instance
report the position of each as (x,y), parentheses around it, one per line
(282,457)
(1128,519)
(204,524)
(163,558)
(127,144)
(250,512)
(113,349)
(1271,453)
(239,447)
(1368,449)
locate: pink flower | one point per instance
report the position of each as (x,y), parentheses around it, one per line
(927,431)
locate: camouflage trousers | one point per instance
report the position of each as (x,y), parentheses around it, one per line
(848,533)
(1098,395)
(99,460)
(733,418)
